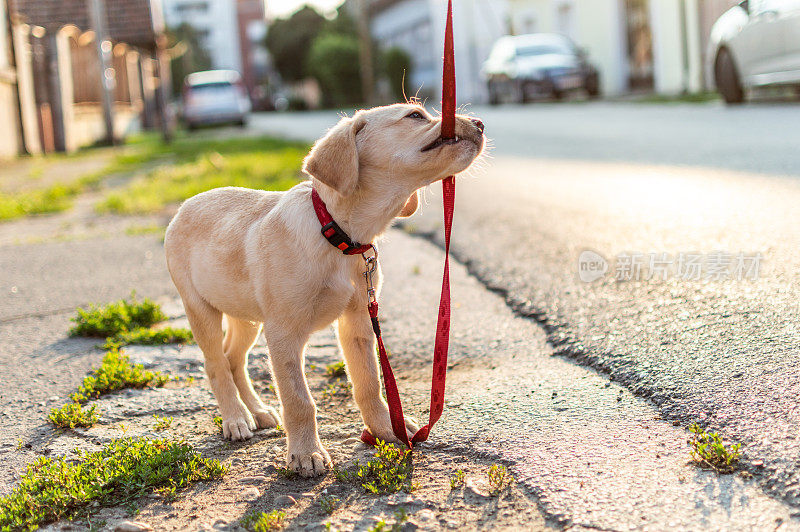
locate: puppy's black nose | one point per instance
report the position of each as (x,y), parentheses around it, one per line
(478,124)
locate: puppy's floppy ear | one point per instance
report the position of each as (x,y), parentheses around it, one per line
(334,158)
(410,207)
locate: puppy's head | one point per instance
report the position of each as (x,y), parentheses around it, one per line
(393,150)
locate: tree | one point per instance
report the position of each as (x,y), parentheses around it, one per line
(333,61)
(397,64)
(187,53)
(289,42)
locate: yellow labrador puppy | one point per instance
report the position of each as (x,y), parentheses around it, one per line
(260,259)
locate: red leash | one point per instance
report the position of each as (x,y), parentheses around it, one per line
(441,344)
(338,238)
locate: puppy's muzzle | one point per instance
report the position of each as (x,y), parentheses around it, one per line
(444,142)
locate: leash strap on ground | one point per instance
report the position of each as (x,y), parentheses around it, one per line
(442,341)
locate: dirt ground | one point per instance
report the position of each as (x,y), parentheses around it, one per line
(256,479)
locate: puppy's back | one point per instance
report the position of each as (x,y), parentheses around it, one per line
(222,213)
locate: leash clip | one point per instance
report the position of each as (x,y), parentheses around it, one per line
(370,265)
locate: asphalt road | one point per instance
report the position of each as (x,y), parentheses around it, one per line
(627,180)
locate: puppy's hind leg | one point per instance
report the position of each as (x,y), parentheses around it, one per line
(239,340)
(206,323)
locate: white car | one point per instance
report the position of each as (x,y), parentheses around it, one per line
(756,44)
(215,97)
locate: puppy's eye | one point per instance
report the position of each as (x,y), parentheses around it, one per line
(417,115)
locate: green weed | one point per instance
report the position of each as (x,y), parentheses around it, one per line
(73,415)
(263,521)
(329,503)
(142,336)
(287,473)
(218,422)
(709,451)
(335,370)
(457,479)
(53,489)
(115,318)
(115,373)
(400,517)
(499,477)
(340,388)
(162,423)
(388,472)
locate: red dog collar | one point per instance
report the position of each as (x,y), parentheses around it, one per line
(332,232)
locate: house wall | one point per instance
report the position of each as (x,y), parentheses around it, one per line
(677,56)
(417,26)
(679,48)
(9,137)
(600,29)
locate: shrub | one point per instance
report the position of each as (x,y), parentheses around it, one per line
(398,70)
(334,62)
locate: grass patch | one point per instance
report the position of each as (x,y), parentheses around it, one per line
(388,472)
(263,521)
(118,317)
(53,489)
(73,415)
(54,198)
(138,230)
(142,336)
(710,452)
(115,373)
(200,164)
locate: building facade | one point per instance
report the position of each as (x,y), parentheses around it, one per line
(252,27)
(417,26)
(217,25)
(638,45)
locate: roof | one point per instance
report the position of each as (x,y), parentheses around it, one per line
(135,22)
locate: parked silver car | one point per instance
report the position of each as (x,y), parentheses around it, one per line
(756,44)
(215,97)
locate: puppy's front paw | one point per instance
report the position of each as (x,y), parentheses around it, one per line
(383,430)
(238,428)
(308,460)
(267,418)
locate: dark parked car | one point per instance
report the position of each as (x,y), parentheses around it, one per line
(525,67)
